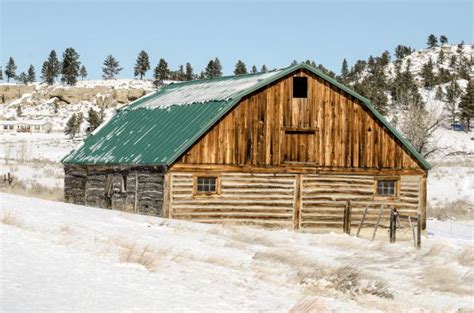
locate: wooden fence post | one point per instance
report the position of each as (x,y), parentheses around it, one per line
(418,231)
(347,218)
(362,221)
(393,225)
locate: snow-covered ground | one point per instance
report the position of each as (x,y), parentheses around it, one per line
(60,257)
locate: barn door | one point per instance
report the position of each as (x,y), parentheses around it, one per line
(299,146)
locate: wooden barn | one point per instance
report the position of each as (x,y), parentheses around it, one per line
(291,148)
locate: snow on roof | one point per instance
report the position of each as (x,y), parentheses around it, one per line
(25,122)
(219,89)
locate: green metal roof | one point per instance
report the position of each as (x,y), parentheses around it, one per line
(159,128)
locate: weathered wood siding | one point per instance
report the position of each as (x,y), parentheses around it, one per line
(291,200)
(135,190)
(329,128)
(251,198)
(325,196)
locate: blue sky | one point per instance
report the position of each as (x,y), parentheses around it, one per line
(270,32)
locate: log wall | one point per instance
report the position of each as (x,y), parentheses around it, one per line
(291,200)
(138,189)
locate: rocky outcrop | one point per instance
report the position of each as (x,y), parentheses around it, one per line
(104,96)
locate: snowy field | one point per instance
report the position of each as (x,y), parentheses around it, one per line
(60,257)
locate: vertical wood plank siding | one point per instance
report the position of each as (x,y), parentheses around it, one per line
(340,132)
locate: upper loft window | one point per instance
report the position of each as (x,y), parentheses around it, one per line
(300,87)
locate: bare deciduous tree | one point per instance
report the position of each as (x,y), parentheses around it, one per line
(418,127)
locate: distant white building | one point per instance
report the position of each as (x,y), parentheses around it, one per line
(28,126)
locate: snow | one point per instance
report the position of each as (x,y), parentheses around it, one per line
(64,257)
(220,89)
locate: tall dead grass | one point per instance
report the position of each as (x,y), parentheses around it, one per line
(345,279)
(33,189)
(9,218)
(459,209)
(144,255)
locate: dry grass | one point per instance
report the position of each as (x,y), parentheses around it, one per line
(11,219)
(443,278)
(346,280)
(308,305)
(459,209)
(143,255)
(34,189)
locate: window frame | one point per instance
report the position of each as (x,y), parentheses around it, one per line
(396,187)
(303,78)
(197,193)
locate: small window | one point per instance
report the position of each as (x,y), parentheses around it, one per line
(206,185)
(300,87)
(386,187)
(5,126)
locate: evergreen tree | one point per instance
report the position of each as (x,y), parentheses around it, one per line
(294,63)
(432,41)
(254,69)
(344,71)
(142,65)
(263,69)
(51,68)
(71,126)
(240,68)
(439,93)
(443,39)
(83,72)
(19,112)
(441,57)
(213,69)
(453,92)
(94,119)
(23,78)
(161,72)
(427,74)
(189,72)
(402,51)
(181,74)
(10,69)
(453,61)
(1,73)
(70,66)
(31,74)
(466,106)
(111,67)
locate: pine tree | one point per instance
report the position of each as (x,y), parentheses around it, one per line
(19,112)
(427,74)
(453,92)
(254,69)
(344,71)
(51,68)
(432,41)
(189,72)
(181,74)
(83,72)
(443,39)
(441,57)
(466,106)
(111,67)
(439,93)
(240,68)
(23,78)
(453,61)
(1,73)
(94,119)
(70,66)
(10,69)
(31,74)
(142,65)
(293,63)
(213,69)
(263,69)
(161,72)
(71,128)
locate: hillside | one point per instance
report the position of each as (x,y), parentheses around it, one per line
(118,261)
